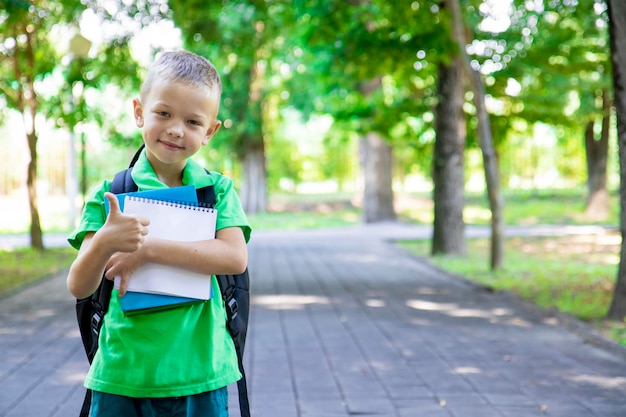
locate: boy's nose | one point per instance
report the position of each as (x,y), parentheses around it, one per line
(175,129)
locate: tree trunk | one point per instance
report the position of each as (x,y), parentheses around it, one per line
(36,235)
(377,165)
(448,164)
(376,162)
(253,187)
(617,35)
(485,138)
(597,153)
(27,104)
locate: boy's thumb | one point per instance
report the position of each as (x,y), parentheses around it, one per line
(114,205)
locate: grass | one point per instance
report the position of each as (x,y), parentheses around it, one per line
(20,267)
(574,274)
(562,207)
(303,220)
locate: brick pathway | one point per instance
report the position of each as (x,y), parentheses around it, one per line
(344,324)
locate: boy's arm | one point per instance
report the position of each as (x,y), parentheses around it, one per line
(226,254)
(120,233)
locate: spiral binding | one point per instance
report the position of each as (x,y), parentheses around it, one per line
(203,207)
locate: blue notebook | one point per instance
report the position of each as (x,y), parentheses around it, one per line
(134,303)
(185,194)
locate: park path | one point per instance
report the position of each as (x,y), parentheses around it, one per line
(345,323)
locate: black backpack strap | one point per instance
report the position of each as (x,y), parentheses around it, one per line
(206,196)
(123,182)
(136,156)
(236,295)
(242,385)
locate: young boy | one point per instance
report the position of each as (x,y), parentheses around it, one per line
(176,362)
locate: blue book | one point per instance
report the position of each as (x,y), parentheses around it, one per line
(134,303)
(184,194)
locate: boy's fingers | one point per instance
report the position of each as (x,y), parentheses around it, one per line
(114,205)
(114,209)
(123,286)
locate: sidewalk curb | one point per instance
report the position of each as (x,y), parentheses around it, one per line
(589,334)
(550,316)
(23,287)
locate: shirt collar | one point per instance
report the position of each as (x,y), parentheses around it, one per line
(146,179)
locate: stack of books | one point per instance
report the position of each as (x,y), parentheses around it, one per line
(174,214)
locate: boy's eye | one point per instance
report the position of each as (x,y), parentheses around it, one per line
(194,122)
(163,113)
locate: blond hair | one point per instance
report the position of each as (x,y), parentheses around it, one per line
(185,67)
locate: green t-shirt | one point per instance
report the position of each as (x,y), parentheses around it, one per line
(177,352)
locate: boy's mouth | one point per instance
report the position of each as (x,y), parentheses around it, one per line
(170,145)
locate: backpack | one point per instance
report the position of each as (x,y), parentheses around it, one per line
(235,291)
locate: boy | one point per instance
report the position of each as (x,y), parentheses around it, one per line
(176,362)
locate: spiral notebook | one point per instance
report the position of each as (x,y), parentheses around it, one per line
(180,221)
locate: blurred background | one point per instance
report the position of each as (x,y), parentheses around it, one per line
(366,109)
(444,115)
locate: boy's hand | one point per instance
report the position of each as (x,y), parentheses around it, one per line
(123,265)
(124,232)
(125,235)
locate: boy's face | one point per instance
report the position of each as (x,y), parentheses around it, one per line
(177,119)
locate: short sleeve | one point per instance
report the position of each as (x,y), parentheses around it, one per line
(229,209)
(93,216)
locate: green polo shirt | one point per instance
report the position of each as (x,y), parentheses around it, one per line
(177,352)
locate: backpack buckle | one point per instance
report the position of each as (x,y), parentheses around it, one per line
(96,320)
(232,308)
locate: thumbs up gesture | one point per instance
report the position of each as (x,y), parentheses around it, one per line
(125,232)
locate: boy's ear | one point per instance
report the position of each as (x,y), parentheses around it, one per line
(138,112)
(209,133)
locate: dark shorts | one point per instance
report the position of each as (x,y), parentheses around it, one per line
(208,404)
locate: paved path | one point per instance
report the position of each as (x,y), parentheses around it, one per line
(345,324)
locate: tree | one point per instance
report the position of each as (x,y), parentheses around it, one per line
(360,56)
(617,35)
(490,162)
(555,54)
(376,164)
(448,161)
(241,38)
(26,57)
(597,149)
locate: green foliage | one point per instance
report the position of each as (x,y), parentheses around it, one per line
(26,51)
(112,65)
(360,58)
(549,66)
(368,65)
(286,162)
(554,50)
(242,39)
(371,66)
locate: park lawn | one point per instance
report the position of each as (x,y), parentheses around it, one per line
(573,274)
(20,267)
(555,207)
(303,220)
